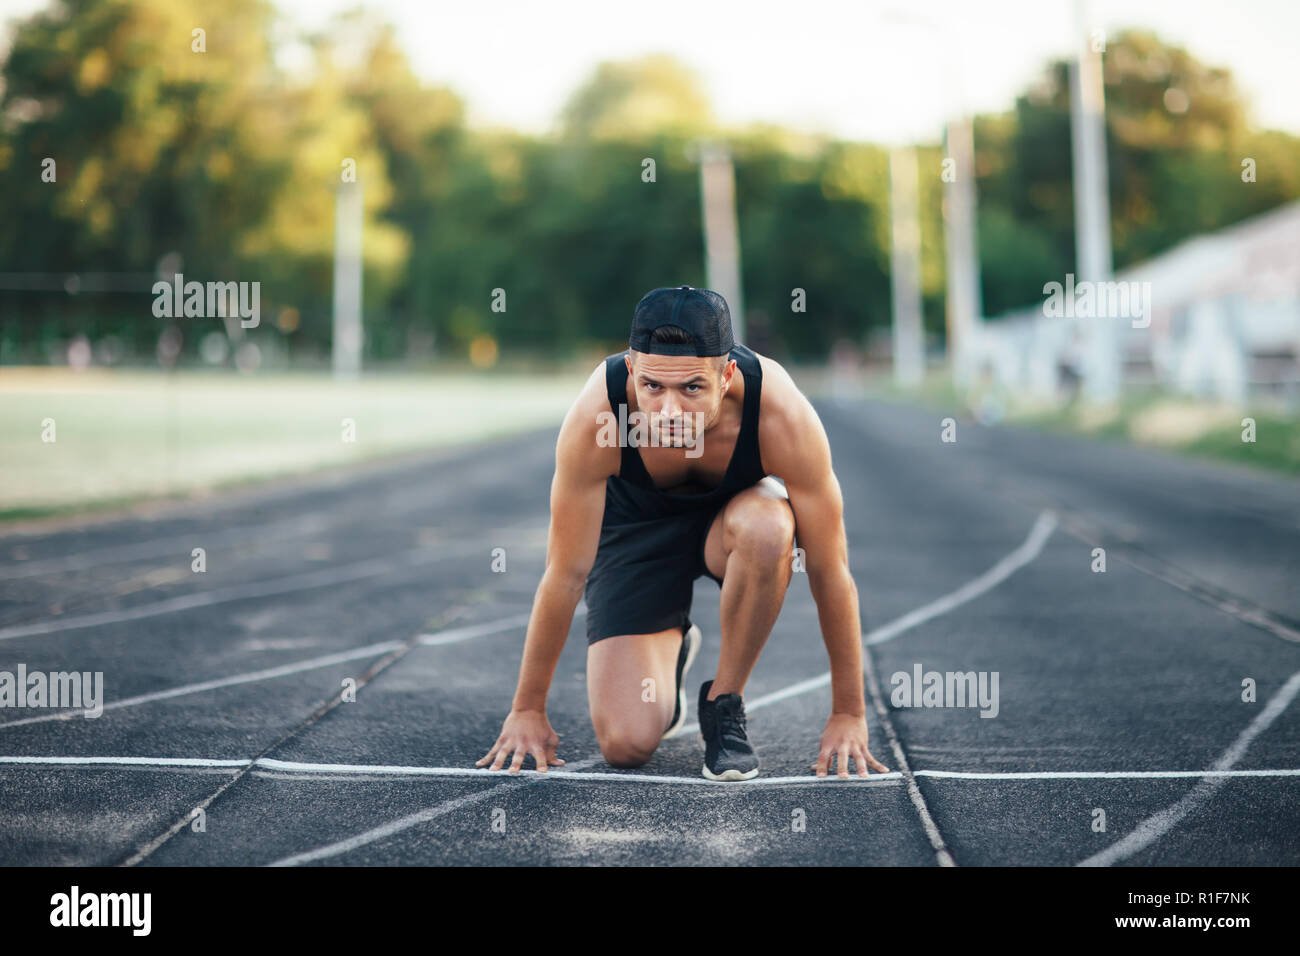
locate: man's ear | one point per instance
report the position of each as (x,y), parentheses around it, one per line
(627,360)
(728,370)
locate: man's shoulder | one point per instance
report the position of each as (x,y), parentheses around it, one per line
(781,402)
(583,415)
(583,424)
(787,420)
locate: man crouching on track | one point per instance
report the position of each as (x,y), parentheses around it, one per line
(635,526)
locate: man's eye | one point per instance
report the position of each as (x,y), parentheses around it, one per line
(650,386)
(693,388)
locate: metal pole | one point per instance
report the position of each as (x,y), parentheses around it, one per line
(721,238)
(1092,206)
(347,281)
(905,267)
(961,245)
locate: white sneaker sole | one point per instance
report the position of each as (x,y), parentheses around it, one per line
(730,774)
(693,641)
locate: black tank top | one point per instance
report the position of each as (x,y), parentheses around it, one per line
(632,495)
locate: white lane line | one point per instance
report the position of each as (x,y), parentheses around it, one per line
(281,768)
(941,852)
(1028,550)
(794,690)
(450,636)
(296,582)
(269,673)
(484,774)
(388,829)
(314,768)
(158,547)
(457,634)
(415,819)
(1158,824)
(127,761)
(323,577)
(1101,774)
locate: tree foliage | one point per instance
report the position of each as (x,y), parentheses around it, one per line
(226,163)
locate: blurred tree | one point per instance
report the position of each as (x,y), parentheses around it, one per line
(420,133)
(652,96)
(232,161)
(326,140)
(157,147)
(170,142)
(1176,131)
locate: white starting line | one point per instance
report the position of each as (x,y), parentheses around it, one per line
(308,770)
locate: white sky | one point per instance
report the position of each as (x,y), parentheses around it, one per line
(848,67)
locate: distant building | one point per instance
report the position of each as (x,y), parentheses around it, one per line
(1222,322)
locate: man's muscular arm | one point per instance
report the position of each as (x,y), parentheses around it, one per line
(795,448)
(577,507)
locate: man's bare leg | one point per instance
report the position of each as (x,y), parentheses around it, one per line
(629,727)
(749,546)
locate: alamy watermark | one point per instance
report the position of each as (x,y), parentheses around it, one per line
(1098,300)
(946,689)
(212,300)
(653,431)
(79,689)
(75,908)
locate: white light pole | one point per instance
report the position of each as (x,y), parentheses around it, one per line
(721,234)
(1092,203)
(905,267)
(961,248)
(347,281)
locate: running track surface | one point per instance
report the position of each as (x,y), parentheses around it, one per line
(1119,692)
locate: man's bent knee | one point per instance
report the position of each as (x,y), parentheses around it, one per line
(629,723)
(623,749)
(763,531)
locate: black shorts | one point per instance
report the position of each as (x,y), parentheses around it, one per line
(644,574)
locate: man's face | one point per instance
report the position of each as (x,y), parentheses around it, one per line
(679,392)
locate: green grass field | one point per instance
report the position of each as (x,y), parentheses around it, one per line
(124,436)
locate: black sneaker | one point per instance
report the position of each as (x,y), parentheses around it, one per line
(727,753)
(685,658)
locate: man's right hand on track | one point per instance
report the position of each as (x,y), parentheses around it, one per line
(524,732)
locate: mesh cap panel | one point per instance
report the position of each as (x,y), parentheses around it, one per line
(700,312)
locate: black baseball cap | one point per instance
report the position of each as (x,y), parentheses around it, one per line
(700,312)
